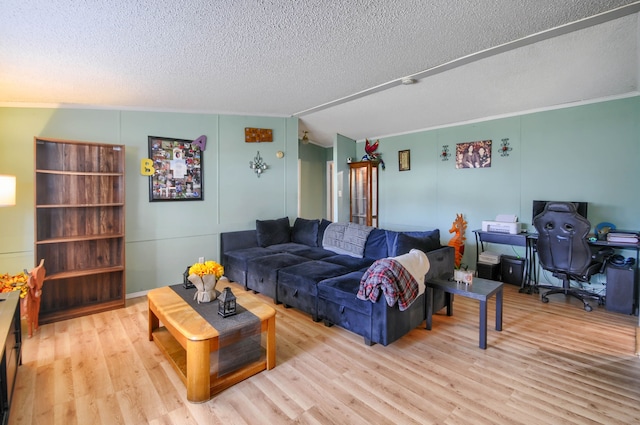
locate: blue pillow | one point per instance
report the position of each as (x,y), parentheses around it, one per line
(392,242)
(321,228)
(424,241)
(272,232)
(305,232)
(376,246)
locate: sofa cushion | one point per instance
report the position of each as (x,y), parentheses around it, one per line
(305,231)
(235,262)
(425,243)
(297,285)
(392,240)
(262,272)
(321,228)
(376,246)
(271,232)
(313,253)
(352,263)
(342,290)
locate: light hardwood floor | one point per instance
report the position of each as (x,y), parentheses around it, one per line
(552,364)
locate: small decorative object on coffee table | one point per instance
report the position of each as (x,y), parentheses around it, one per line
(205,276)
(186,283)
(227,303)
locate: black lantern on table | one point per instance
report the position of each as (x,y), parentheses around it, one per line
(186,283)
(227,303)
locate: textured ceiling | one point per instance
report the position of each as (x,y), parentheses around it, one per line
(335,64)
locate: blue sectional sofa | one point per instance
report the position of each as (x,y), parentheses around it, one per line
(295,266)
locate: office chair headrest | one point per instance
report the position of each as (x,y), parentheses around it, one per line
(561,207)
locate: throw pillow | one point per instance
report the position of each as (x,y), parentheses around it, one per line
(305,232)
(376,246)
(425,243)
(272,232)
(321,228)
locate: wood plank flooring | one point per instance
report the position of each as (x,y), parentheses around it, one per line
(552,364)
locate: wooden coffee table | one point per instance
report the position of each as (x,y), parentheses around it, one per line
(187,340)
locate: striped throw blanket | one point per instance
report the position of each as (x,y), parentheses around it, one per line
(389,277)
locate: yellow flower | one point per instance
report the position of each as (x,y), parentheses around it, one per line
(17,282)
(208,267)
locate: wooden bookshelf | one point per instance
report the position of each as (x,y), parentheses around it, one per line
(80,226)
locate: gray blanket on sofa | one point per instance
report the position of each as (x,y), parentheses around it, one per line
(346,238)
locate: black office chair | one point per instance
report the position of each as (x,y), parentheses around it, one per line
(563,250)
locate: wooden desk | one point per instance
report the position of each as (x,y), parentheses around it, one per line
(480,289)
(187,340)
(530,279)
(11,343)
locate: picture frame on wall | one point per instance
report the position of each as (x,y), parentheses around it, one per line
(178,171)
(473,154)
(404,160)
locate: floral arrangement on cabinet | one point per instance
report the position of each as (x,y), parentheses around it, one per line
(204,277)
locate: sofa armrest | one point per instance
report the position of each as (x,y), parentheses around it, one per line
(241,239)
(441,263)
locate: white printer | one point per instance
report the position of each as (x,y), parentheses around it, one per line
(504,223)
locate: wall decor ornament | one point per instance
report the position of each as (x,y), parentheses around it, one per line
(201,142)
(176,173)
(258,165)
(473,154)
(258,135)
(504,147)
(371,154)
(404,160)
(445,153)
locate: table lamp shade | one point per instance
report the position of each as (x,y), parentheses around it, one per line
(7,190)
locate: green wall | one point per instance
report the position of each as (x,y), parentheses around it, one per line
(313,177)
(343,148)
(583,153)
(162,238)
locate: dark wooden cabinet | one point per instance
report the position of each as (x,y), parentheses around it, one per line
(80,226)
(11,339)
(363,193)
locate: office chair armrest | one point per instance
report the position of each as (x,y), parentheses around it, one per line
(602,256)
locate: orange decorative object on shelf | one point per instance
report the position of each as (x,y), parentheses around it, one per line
(459,227)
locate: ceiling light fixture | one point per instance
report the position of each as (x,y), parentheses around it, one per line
(305,138)
(407,81)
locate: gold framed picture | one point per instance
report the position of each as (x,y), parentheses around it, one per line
(404,160)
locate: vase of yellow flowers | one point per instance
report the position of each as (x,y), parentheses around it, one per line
(204,277)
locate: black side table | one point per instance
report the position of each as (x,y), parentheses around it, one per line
(480,289)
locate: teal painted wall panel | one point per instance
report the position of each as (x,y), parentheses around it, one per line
(251,197)
(582,153)
(153,220)
(418,185)
(343,148)
(312,181)
(162,237)
(162,262)
(587,152)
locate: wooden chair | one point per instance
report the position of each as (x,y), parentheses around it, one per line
(34,296)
